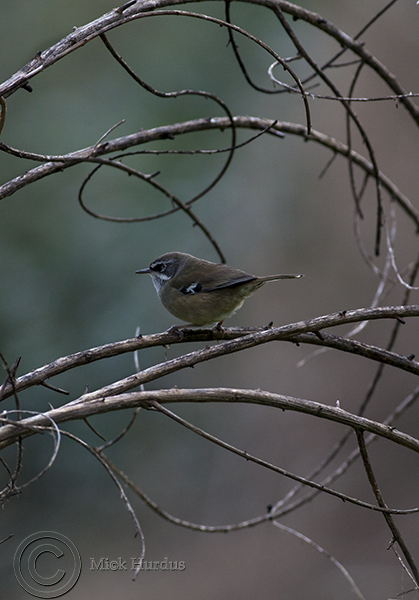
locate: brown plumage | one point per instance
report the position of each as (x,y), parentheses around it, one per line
(201,292)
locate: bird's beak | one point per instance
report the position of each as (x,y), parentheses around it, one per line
(143,271)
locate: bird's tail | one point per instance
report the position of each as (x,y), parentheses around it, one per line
(273,277)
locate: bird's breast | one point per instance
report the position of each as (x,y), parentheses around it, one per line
(200,307)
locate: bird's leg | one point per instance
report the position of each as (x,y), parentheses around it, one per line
(217,326)
(177,329)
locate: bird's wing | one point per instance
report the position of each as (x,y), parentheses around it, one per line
(229,282)
(224,278)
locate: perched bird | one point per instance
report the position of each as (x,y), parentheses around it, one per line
(201,292)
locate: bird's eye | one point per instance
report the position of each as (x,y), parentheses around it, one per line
(159,267)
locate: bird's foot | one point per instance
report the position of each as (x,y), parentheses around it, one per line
(176,329)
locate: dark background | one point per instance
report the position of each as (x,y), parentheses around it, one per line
(67,283)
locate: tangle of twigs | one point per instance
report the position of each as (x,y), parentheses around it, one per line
(15,425)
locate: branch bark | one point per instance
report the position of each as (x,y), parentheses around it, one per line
(83,409)
(234,340)
(58,163)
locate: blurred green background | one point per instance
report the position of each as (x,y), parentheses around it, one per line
(67,283)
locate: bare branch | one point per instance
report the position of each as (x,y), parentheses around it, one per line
(389,520)
(249,338)
(129,392)
(80,410)
(58,163)
(322,551)
(122,493)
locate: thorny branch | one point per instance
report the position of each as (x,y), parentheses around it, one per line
(117,396)
(233,340)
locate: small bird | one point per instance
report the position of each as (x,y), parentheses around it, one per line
(201,292)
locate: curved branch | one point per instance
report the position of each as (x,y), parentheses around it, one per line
(177,94)
(121,490)
(238,339)
(99,27)
(115,160)
(58,163)
(270,466)
(149,179)
(81,410)
(357,47)
(121,15)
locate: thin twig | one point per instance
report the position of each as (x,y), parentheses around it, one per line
(323,552)
(123,495)
(149,179)
(389,519)
(157,406)
(301,50)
